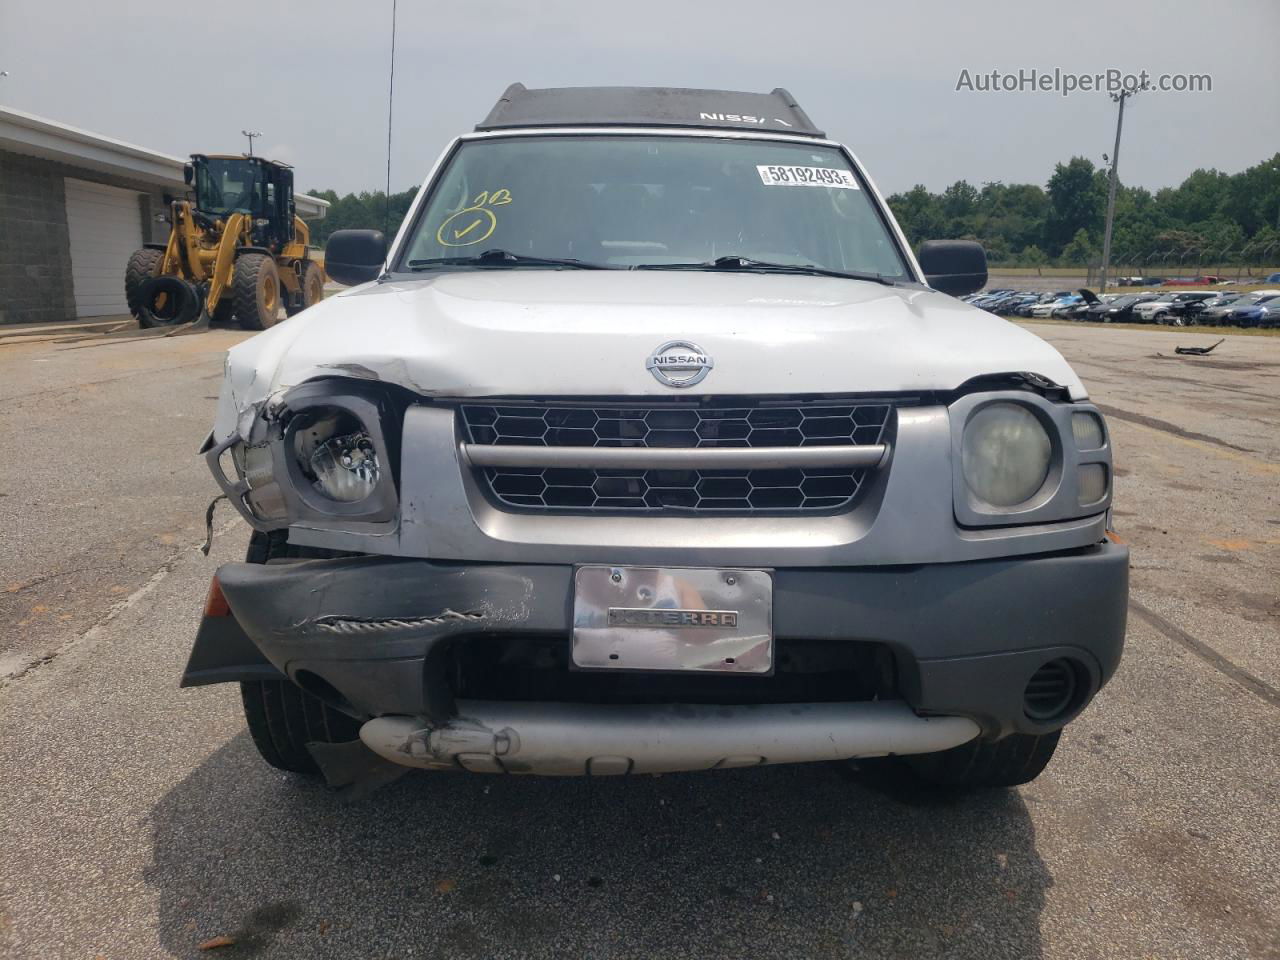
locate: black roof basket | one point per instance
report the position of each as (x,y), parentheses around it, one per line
(775,112)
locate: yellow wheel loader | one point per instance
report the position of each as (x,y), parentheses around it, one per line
(238,250)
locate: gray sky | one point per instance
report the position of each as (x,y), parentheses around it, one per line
(183,77)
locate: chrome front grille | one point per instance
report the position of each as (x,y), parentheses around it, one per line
(565,456)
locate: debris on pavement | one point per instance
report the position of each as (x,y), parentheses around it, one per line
(215,942)
(1197,351)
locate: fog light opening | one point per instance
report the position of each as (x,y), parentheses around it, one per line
(1053,691)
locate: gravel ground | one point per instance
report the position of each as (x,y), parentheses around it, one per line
(139,822)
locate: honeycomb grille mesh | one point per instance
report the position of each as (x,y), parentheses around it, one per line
(681,426)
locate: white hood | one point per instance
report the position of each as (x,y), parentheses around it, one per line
(560,332)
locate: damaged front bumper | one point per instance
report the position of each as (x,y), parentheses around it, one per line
(373,635)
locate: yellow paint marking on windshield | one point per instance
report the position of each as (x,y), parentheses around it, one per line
(474,223)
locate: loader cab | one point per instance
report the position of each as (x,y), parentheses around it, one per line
(254,186)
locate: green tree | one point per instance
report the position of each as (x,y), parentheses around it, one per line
(1077,201)
(1033,256)
(1080,250)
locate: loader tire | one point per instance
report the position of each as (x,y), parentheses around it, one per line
(168,301)
(256,291)
(143,265)
(312,282)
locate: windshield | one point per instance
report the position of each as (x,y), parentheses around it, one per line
(642,201)
(226,185)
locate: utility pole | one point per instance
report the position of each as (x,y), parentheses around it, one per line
(251,134)
(1111,188)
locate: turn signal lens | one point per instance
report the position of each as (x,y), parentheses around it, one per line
(1092,483)
(1087,429)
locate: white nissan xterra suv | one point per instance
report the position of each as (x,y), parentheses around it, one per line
(648,446)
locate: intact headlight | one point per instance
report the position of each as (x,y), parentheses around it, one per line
(337,455)
(1006,454)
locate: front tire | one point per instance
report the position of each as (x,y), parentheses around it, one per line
(1017,759)
(256,290)
(282,717)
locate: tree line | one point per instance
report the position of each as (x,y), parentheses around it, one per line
(1212,216)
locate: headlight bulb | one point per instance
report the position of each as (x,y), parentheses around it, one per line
(336,454)
(346,468)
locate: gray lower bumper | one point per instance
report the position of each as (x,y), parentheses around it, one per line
(569,739)
(966,637)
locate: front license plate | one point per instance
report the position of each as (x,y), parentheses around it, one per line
(673,618)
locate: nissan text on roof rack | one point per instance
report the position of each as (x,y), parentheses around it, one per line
(648,445)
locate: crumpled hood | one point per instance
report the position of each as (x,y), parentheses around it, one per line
(589,333)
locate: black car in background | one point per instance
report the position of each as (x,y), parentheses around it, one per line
(1119,310)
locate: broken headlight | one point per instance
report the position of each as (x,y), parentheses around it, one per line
(336,455)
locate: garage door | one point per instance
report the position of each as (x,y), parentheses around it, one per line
(105,227)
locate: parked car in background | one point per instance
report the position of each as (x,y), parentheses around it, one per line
(1194,311)
(1214,315)
(1252,313)
(1045,306)
(1272,278)
(1169,307)
(1119,310)
(1014,304)
(1078,310)
(1054,307)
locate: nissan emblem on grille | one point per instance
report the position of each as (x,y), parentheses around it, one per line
(679,363)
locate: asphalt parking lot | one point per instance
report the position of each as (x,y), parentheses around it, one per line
(139,822)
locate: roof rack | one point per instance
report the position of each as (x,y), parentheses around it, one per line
(776,112)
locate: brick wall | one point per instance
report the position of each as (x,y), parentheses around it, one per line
(35,255)
(35,260)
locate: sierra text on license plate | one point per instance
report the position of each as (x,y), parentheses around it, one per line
(673,618)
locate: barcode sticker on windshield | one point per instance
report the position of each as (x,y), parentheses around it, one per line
(772,176)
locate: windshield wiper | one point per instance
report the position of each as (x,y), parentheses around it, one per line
(503,258)
(746,264)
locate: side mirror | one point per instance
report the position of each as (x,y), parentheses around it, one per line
(355,256)
(956,267)
(188,173)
